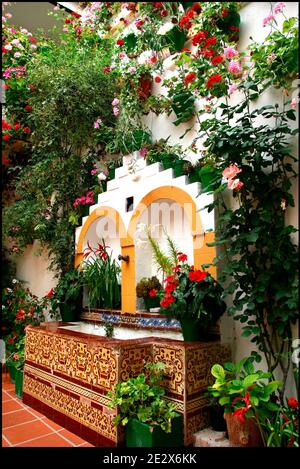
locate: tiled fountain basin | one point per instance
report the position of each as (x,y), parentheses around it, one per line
(68,374)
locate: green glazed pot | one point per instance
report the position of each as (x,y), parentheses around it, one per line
(139,434)
(12,373)
(191,330)
(19,376)
(151,302)
(194,176)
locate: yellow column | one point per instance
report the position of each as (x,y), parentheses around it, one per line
(204,254)
(128,287)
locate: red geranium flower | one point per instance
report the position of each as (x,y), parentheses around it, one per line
(217,60)
(68,20)
(292,402)
(33,40)
(189,78)
(210,41)
(28,108)
(199,37)
(208,52)
(197,275)
(196,8)
(17,126)
(185,22)
(181,257)
(152,293)
(6,137)
(225,12)
(157,79)
(120,42)
(26,130)
(5,125)
(213,80)
(20,315)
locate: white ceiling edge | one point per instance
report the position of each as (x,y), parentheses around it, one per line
(71,5)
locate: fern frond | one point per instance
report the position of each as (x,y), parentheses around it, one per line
(163,262)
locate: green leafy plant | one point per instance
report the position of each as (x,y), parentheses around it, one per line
(141,398)
(282,429)
(165,262)
(101,277)
(109,329)
(244,391)
(17,358)
(145,286)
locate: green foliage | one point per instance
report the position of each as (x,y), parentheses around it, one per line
(261,269)
(164,262)
(142,398)
(145,285)
(277,58)
(101,277)
(17,358)
(109,329)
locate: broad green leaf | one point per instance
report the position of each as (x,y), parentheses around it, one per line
(218,371)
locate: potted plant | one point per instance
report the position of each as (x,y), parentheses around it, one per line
(149,419)
(247,397)
(216,415)
(193,297)
(148,289)
(67,296)
(210,176)
(101,277)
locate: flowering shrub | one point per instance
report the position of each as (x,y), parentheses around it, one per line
(194,293)
(148,287)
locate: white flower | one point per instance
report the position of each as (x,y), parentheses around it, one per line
(15,280)
(102,176)
(3,306)
(165,28)
(9,290)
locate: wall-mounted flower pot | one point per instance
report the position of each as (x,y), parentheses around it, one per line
(86,211)
(243,434)
(151,302)
(111,174)
(139,434)
(19,375)
(210,179)
(178,168)
(194,176)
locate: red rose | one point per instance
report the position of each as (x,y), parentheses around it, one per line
(120,42)
(26,130)
(28,108)
(157,79)
(17,126)
(6,137)
(213,80)
(217,60)
(292,402)
(152,293)
(189,78)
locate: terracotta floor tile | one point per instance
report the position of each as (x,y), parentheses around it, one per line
(11,405)
(35,413)
(53,440)
(73,438)
(4,444)
(86,444)
(8,387)
(25,432)
(53,425)
(14,418)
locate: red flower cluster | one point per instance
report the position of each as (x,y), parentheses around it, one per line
(28,108)
(213,80)
(241,412)
(157,79)
(197,275)
(153,293)
(101,251)
(120,42)
(292,402)
(225,12)
(199,37)
(181,257)
(167,300)
(20,316)
(171,284)
(5,125)
(84,199)
(189,78)
(185,22)
(217,60)
(26,130)
(211,41)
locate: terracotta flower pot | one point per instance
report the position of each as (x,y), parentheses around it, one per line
(243,434)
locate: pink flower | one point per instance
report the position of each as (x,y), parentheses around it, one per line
(115,102)
(17,55)
(230,52)
(271,58)
(24,30)
(232,88)
(97,123)
(122,55)
(102,176)
(231,171)
(294,103)
(235,67)
(268,19)
(15,356)
(235,184)
(131,69)
(8,46)
(8,15)
(143,152)
(116,111)
(93,172)
(279,7)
